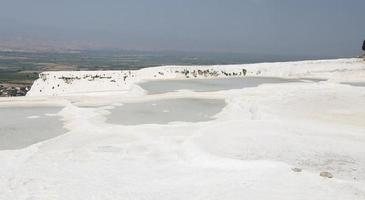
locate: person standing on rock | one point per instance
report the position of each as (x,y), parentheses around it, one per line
(363,48)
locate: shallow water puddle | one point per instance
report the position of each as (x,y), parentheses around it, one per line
(356,84)
(165,111)
(208,85)
(24,126)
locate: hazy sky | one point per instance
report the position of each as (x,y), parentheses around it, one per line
(301,27)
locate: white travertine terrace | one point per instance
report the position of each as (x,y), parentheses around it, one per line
(288,141)
(70,82)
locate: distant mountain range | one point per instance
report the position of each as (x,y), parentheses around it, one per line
(23,37)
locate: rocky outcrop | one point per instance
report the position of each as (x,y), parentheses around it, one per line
(10,90)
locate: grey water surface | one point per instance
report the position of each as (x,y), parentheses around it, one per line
(165,111)
(356,84)
(24,126)
(209,85)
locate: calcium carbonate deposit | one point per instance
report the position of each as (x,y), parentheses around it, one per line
(299,138)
